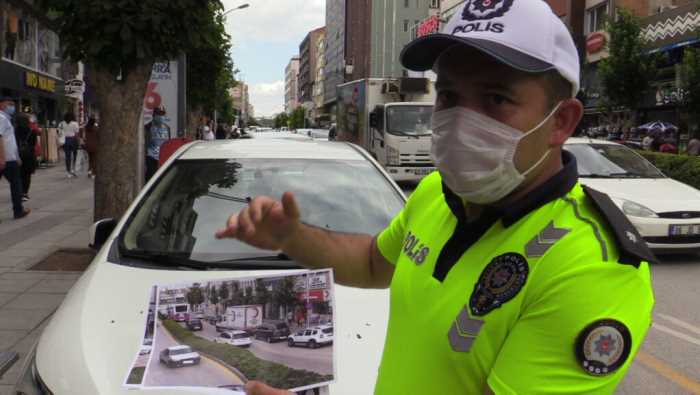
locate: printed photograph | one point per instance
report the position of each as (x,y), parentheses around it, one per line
(221,333)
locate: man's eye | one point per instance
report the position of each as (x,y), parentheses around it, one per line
(497,99)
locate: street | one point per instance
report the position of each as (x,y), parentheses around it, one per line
(318,360)
(206,374)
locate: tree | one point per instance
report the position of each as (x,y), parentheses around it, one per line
(262,294)
(284,294)
(281,120)
(119,42)
(195,296)
(214,296)
(690,83)
(210,75)
(625,75)
(296,120)
(224,293)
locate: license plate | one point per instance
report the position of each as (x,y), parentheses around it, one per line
(187,362)
(684,230)
(423,172)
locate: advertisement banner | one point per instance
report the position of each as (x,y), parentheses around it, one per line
(162,90)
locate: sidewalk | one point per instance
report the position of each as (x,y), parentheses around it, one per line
(60,218)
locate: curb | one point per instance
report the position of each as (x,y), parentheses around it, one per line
(224,364)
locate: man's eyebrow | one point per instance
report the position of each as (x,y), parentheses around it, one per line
(497,85)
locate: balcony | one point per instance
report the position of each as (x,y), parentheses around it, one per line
(671,28)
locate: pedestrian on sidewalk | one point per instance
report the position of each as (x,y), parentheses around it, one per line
(10,161)
(156,133)
(90,138)
(490,261)
(71,131)
(26,141)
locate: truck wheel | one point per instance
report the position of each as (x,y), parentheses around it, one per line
(290,343)
(312,344)
(269,339)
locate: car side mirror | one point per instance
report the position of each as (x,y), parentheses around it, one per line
(374,120)
(100,231)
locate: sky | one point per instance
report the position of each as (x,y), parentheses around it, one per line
(265,36)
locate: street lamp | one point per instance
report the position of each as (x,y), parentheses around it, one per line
(240,7)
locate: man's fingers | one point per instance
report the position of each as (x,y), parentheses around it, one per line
(247,228)
(258,388)
(231,228)
(289,203)
(258,208)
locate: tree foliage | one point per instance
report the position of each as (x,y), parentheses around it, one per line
(195,296)
(211,71)
(296,120)
(691,83)
(284,294)
(625,75)
(118,36)
(281,120)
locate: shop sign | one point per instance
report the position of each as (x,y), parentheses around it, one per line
(315,281)
(429,26)
(36,81)
(595,42)
(75,88)
(315,295)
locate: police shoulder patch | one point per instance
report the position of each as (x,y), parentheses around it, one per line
(500,281)
(633,248)
(603,347)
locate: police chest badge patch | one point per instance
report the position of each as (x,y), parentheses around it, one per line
(603,347)
(500,281)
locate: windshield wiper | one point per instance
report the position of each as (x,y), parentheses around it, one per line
(278,259)
(611,175)
(182,263)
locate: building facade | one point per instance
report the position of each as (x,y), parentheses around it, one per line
(31,66)
(334,53)
(308,57)
(319,114)
(291,75)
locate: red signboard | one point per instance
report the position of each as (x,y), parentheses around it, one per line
(429,26)
(595,42)
(315,295)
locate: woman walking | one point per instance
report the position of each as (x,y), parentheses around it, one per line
(70,147)
(90,138)
(26,141)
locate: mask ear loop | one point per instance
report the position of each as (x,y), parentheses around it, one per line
(549,150)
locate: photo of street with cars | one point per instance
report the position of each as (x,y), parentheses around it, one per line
(218,334)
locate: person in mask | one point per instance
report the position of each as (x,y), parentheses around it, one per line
(156,133)
(10,162)
(506,275)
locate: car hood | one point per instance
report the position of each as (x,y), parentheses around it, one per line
(658,194)
(102,319)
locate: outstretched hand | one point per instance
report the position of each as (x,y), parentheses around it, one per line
(266,223)
(258,388)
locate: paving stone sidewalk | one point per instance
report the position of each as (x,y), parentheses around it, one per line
(60,218)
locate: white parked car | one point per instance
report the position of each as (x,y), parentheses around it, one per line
(312,337)
(664,211)
(168,236)
(234,338)
(179,356)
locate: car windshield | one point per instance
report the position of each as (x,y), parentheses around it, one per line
(328,330)
(195,322)
(611,161)
(281,326)
(180,351)
(409,120)
(240,336)
(181,213)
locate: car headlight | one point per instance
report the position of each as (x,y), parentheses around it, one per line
(392,156)
(30,382)
(637,210)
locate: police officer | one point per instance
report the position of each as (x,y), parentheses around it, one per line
(506,275)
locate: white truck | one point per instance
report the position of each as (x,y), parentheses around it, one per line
(245,318)
(390,118)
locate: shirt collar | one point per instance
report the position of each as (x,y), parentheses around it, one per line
(554,188)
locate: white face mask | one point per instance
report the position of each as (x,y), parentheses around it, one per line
(474,154)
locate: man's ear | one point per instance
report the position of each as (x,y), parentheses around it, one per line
(566,119)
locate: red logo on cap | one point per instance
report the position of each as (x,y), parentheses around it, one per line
(485,9)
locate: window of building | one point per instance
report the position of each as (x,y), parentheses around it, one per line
(405,25)
(434,4)
(596,17)
(405,3)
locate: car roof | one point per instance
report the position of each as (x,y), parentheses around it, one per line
(180,347)
(236,332)
(585,140)
(271,148)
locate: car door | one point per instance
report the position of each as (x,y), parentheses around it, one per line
(307,336)
(225,338)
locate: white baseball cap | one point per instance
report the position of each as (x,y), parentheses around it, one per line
(523,34)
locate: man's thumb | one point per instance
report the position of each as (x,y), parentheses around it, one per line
(289,203)
(258,388)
